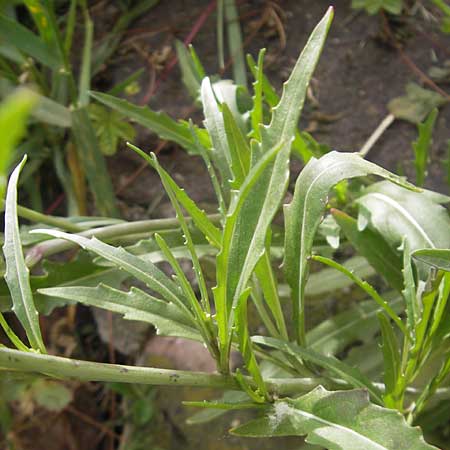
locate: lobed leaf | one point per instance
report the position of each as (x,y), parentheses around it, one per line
(158,122)
(343,420)
(144,271)
(134,305)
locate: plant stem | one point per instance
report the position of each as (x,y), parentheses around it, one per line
(382,127)
(60,367)
(37,217)
(53,246)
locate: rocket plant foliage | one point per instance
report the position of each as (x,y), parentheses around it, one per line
(323,388)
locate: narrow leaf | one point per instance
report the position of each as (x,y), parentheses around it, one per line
(305,212)
(381,256)
(27,42)
(17,273)
(333,365)
(135,266)
(134,305)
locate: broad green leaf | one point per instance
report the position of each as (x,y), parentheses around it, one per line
(359,323)
(422,146)
(28,42)
(381,256)
(343,420)
(397,213)
(142,270)
(14,111)
(391,357)
(416,104)
(256,114)
(333,365)
(436,257)
(303,216)
(93,163)
(134,305)
(17,273)
(158,122)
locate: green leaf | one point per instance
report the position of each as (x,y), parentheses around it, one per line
(397,213)
(14,111)
(374,6)
(422,146)
(85,70)
(144,271)
(343,420)
(51,395)
(366,287)
(303,216)
(93,163)
(245,231)
(214,123)
(28,43)
(436,257)
(17,273)
(413,305)
(286,113)
(238,148)
(333,365)
(416,104)
(134,305)
(199,217)
(391,357)
(381,256)
(359,323)
(189,74)
(235,42)
(158,122)
(110,128)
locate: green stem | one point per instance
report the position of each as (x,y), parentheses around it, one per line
(53,246)
(60,367)
(37,217)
